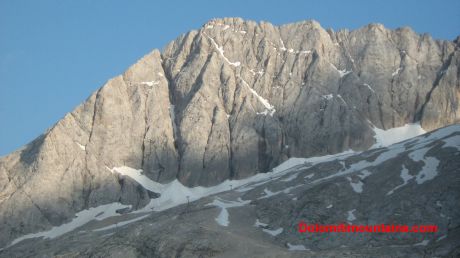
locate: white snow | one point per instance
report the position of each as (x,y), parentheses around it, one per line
(441,238)
(351,216)
(137,175)
(310,176)
(328,96)
(357,187)
(150,83)
(174,193)
(221,51)
(259,224)
(364,174)
(305,52)
(423,243)
(283,48)
(226,27)
(405,177)
(81,218)
(369,87)
(340,97)
(429,170)
(296,247)
(329,206)
(396,72)
(81,146)
(453,142)
(290,178)
(269,109)
(222,219)
(120,224)
(242,32)
(274,232)
(290,163)
(358,166)
(342,73)
(268,193)
(385,138)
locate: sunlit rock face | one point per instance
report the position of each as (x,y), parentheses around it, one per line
(229,100)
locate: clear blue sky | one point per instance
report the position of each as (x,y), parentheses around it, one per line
(54,53)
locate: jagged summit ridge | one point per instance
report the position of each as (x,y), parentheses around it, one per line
(229,100)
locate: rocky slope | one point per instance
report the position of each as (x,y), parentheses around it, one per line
(229,100)
(416,182)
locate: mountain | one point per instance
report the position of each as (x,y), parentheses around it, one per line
(414,182)
(228,101)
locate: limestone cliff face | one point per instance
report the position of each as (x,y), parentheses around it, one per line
(229,100)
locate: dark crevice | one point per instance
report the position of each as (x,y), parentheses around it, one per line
(213,121)
(439,76)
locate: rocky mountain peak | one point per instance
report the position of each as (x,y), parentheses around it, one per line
(230,100)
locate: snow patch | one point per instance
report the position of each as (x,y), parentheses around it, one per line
(221,51)
(328,96)
(268,193)
(357,187)
(222,219)
(396,72)
(429,170)
(83,147)
(120,224)
(310,176)
(369,87)
(405,177)
(290,178)
(296,247)
(274,232)
(259,224)
(81,218)
(340,97)
(283,48)
(150,83)
(136,174)
(269,109)
(441,238)
(385,138)
(351,216)
(423,243)
(453,142)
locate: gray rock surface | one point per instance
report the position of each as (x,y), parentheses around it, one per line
(266,222)
(229,100)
